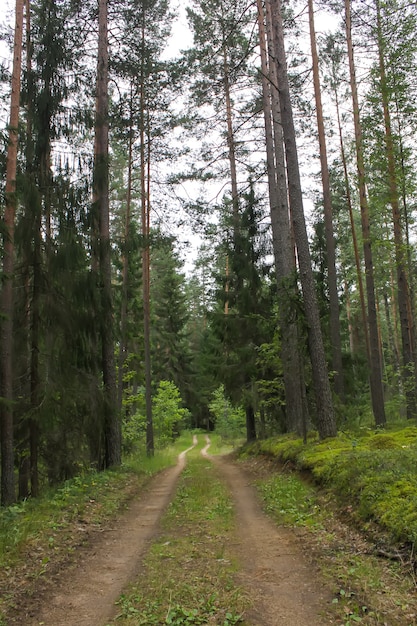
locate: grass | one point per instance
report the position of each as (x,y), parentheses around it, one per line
(370,485)
(37,535)
(371,472)
(96,496)
(189,574)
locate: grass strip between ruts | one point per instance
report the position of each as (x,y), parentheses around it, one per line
(189,574)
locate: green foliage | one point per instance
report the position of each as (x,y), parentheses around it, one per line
(290,500)
(169,419)
(133,432)
(372,473)
(169,416)
(229,420)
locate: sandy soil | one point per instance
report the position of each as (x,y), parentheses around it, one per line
(274,571)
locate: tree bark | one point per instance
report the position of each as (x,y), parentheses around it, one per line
(404,298)
(353,231)
(150,444)
(112,429)
(125,268)
(6,432)
(281,241)
(377,392)
(328,219)
(326,424)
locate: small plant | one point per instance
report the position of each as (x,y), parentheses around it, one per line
(290,500)
(179,615)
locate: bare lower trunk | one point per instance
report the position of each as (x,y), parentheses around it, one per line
(6,362)
(377,393)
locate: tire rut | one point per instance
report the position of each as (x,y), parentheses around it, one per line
(282,584)
(86,594)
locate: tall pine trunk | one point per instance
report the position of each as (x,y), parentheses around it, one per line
(335,338)
(404,297)
(375,365)
(326,424)
(112,429)
(282,247)
(353,229)
(125,266)
(145,190)
(6,431)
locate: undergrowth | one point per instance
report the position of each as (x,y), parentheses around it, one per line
(371,473)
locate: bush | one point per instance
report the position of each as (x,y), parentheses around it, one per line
(229,420)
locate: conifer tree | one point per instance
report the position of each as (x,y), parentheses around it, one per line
(6,435)
(377,394)
(112,427)
(326,424)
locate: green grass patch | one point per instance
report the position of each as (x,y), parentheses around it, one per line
(93,496)
(372,472)
(290,501)
(189,574)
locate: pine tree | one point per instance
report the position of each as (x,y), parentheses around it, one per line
(335,338)
(325,416)
(112,428)
(296,413)
(375,366)
(7,451)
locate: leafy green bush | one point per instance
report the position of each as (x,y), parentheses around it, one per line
(169,419)
(169,416)
(229,420)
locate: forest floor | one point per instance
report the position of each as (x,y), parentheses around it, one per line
(276,566)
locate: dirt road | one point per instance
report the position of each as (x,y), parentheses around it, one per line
(273,569)
(273,566)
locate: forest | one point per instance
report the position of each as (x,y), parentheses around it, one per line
(219,237)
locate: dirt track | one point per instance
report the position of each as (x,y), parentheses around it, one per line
(273,569)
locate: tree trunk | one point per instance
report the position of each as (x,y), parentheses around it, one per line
(150,444)
(250,424)
(325,416)
(112,430)
(377,393)
(281,241)
(6,431)
(404,299)
(328,220)
(125,269)
(353,231)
